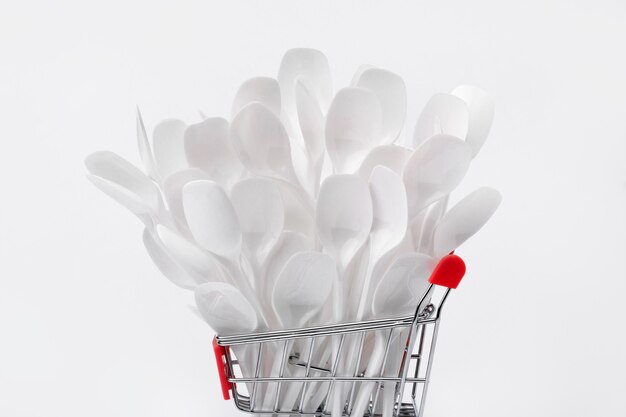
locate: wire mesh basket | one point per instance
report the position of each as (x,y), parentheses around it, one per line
(371,368)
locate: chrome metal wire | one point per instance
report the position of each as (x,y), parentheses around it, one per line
(306,364)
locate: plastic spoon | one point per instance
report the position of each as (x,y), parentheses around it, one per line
(259,208)
(228,312)
(311,121)
(263,90)
(225,309)
(200,265)
(168,139)
(214,225)
(310,68)
(134,189)
(208,147)
(397,294)
(443,114)
(311,65)
(172,188)
(288,244)
(435,169)
(391,156)
(301,290)
(166,264)
(464,220)
(391,93)
(343,220)
(481,109)
(262,144)
(389,224)
(424,225)
(145,151)
(212,218)
(126,198)
(353,126)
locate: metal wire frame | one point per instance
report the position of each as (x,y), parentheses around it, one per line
(280,345)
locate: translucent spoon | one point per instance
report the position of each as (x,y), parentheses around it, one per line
(343,220)
(225,309)
(353,126)
(168,139)
(443,114)
(435,169)
(262,144)
(208,147)
(388,228)
(464,219)
(302,289)
(481,109)
(391,93)
(259,208)
(126,184)
(390,156)
(263,90)
(397,294)
(228,312)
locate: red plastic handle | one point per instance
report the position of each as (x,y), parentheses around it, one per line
(220,358)
(448,272)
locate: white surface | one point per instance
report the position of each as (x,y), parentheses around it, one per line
(89,327)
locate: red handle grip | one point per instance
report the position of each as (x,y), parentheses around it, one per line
(220,358)
(448,272)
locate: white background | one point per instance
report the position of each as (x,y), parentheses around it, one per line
(88,327)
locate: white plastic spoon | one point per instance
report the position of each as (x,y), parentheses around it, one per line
(301,290)
(389,225)
(225,309)
(172,188)
(343,220)
(464,220)
(145,150)
(263,90)
(214,225)
(435,169)
(261,143)
(126,198)
(353,126)
(228,312)
(200,265)
(311,65)
(288,244)
(390,156)
(259,208)
(308,67)
(443,114)
(481,109)
(397,294)
(433,215)
(166,264)
(212,218)
(168,139)
(208,147)
(343,216)
(114,169)
(357,74)
(298,208)
(402,286)
(303,287)
(312,122)
(391,93)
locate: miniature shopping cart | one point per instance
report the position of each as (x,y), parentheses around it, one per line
(322,371)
